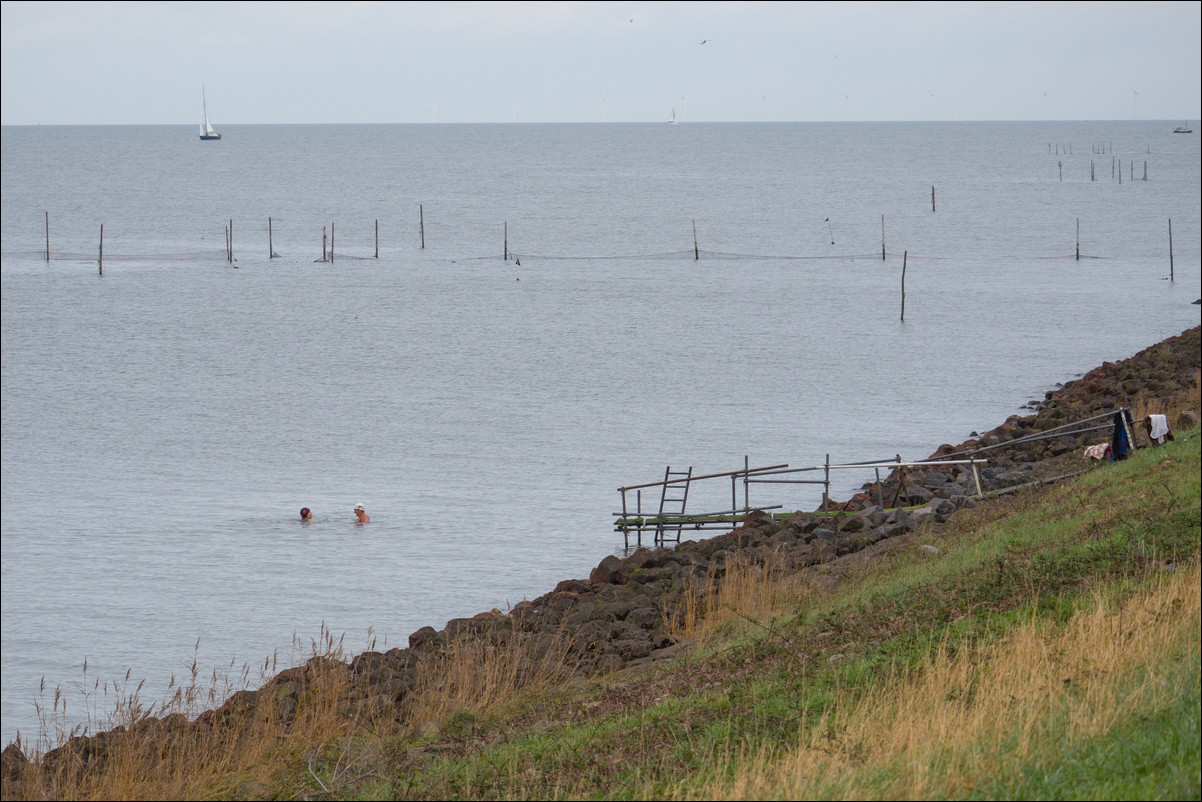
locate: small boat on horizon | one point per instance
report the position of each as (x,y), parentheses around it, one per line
(672,119)
(1181,129)
(206,128)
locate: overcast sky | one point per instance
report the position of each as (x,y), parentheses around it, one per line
(355,62)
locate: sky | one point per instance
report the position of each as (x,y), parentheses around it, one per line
(119,63)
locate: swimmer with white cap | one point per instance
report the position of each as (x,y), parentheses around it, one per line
(361,514)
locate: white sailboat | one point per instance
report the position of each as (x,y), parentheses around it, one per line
(672,119)
(206,128)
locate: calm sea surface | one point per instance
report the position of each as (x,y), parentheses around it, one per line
(164,423)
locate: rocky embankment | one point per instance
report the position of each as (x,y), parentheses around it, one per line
(616,617)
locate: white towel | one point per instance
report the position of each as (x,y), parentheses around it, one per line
(1096,452)
(1160,427)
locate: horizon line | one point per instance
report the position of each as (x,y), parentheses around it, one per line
(622,122)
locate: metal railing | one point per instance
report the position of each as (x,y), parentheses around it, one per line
(634,520)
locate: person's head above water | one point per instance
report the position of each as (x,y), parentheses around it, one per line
(306,514)
(361,513)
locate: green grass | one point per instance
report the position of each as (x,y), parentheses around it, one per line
(1147,755)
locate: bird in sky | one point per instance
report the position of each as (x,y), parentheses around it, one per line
(703,41)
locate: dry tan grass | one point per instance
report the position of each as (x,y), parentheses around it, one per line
(1171,405)
(743,594)
(340,731)
(944,727)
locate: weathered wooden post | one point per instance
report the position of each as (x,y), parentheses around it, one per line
(901,482)
(421,223)
(1078,239)
(331,243)
(1170,249)
(1061,166)
(324,255)
(506,240)
(905,258)
(100,256)
(932,199)
(696,251)
(47,237)
(231,241)
(882,238)
(270,246)
(377,239)
(826,485)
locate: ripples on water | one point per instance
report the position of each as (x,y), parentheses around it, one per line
(162,426)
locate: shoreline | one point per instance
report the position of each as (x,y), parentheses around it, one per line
(614,618)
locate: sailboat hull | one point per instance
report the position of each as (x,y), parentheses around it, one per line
(210,136)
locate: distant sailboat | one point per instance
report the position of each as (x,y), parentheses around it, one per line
(206,128)
(672,119)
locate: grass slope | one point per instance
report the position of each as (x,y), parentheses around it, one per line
(1051,650)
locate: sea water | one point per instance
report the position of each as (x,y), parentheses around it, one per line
(516,321)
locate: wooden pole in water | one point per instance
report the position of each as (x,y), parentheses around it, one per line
(331,243)
(506,240)
(905,257)
(231,241)
(1091,171)
(1078,239)
(377,239)
(1170,249)
(324,256)
(227,243)
(932,199)
(1145,169)
(696,251)
(270,247)
(100,257)
(882,238)
(1060,165)
(47,236)
(421,224)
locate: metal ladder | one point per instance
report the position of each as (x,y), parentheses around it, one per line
(672,502)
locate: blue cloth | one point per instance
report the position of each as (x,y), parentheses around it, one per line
(1119,444)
